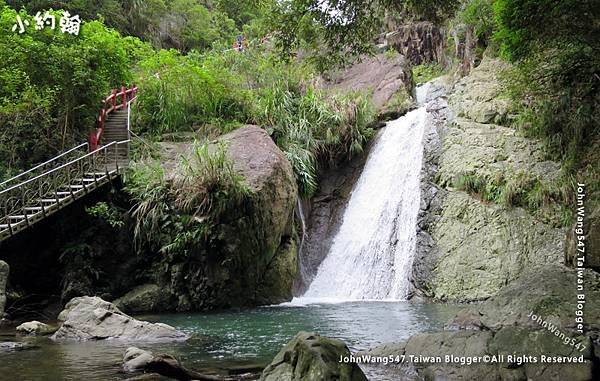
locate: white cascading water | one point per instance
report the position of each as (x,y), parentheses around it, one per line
(372,254)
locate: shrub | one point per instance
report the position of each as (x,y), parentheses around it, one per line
(210,185)
(479,14)
(51,84)
(145,182)
(426,72)
(178,215)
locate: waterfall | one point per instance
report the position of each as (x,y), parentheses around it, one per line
(300,214)
(372,253)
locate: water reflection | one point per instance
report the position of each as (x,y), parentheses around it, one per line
(225,340)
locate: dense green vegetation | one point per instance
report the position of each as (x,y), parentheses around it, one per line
(208,91)
(179,24)
(555,82)
(426,72)
(556,46)
(51,85)
(173,216)
(178,53)
(551,202)
(213,92)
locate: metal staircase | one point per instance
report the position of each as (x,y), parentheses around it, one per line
(48,187)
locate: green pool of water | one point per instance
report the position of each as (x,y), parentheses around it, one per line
(225,340)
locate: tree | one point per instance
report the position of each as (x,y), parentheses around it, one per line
(344,28)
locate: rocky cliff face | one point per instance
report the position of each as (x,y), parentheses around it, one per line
(388,78)
(423,42)
(534,316)
(472,247)
(420,42)
(253,258)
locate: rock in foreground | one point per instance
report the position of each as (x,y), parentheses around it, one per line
(309,357)
(528,327)
(136,359)
(91,318)
(35,328)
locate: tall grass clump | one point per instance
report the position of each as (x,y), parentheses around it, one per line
(315,129)
(178,215)
(210,185)
(179,94)
(549,201)
(145,182)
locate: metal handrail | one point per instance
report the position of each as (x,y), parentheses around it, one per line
(111,100)
(44,164)
(64,165)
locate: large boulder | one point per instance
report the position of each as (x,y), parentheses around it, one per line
(136,359)
(388,78)
(550,292)
(144,298)
(420,42)
(35,328)
(471,245)
(533,316)
(91,318)
(3,280)
(511,354)
(310,357)
(250,258)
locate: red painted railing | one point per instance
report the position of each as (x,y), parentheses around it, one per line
(115,101)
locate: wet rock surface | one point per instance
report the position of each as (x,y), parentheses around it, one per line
(469,248)
(310,357)
(432,195)
(36,328)
(528,325)
(136,359)
(144,298)
(91,318)
(11,346)
(324,215)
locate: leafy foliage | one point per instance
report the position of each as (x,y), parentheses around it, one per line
(479,14)
(336,31)
(179,24)
(108,213)
(549,201)
(210,185)
(426,72)
(202,92)
(177,215)
(149,190)
(556,85)
(51,84)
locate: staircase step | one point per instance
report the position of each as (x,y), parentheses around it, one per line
(51,200)
(97,174)
(33,208)
(17,217)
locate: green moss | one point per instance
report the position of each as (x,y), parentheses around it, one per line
(550,202)
(401,102)
(426,72)
(391,53)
